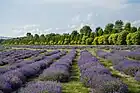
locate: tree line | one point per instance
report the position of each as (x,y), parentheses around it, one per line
(113,34)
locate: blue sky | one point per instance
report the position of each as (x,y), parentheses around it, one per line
(17,17)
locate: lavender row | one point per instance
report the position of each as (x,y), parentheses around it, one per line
(97,77)
(37,58)
(50,86)
(41,87)
(21,63)
(16,53)
(130,54)
(19,55)
(59,70)
(4,54)
(120,63)
(14,79)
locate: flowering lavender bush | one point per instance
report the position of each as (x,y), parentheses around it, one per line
(86,58)
(16,56)
(88,65)
(102,54)
(30,70)
(131,54)
(59,71)
(134,55)
(96,69)
(14,79)
(129,67)
(42,87)
(55,74)
(107,84)
(137,76)
(38,58)
(98,77)
(53,52)
(3,70)
(45,62)
(5,86)
(11,80)
(1,91)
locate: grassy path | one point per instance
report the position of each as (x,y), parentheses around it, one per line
(133,85)
(74,85)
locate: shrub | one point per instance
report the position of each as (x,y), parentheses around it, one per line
(137,76)
(129,38)
(42,87)
(121,40)
(95,42)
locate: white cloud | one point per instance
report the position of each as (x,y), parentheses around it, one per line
(136,23)
(73,26)
(47,30)
(58,28)
(89,16)
(22,30)
(30,26)
(76,18)
(133,23)
(96,14)
(27,27)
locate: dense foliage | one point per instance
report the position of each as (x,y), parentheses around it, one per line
(113,34)
(1,40)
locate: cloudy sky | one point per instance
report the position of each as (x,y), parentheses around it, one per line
(17,17)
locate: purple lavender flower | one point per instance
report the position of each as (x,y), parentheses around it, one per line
(5,86)
(128,67)
(59,71)
(137,76)
(98,77)
(42,87)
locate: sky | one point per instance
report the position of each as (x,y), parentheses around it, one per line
(17,17)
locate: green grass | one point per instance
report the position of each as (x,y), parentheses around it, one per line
(74,85)
(133,85)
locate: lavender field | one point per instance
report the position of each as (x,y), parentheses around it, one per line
(70,69)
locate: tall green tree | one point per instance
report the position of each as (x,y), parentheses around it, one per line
(28,34)
(133,29)
(92,35)
(97,31)
(129,38)
(84,40)
(36,39)
(127,27)
(136,38)
(119,25)
(74,35)
(108,28)
(100,32)
(89,41)
(139,29)
(86,30)
(121,40)
(95,42)
(42,39)
(101,40)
